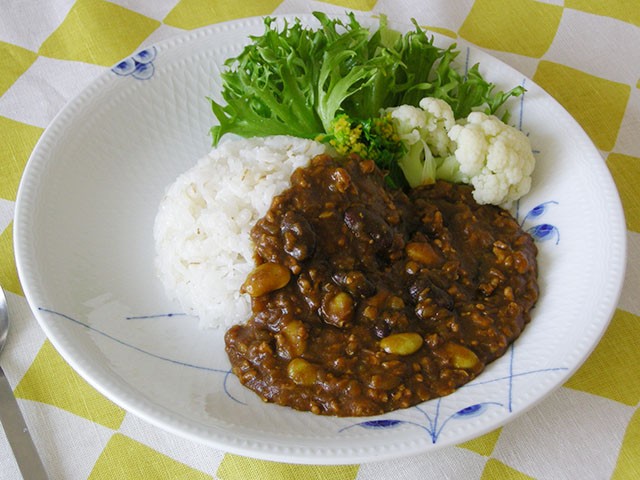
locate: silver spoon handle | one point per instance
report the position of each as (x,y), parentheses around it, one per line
(18,434)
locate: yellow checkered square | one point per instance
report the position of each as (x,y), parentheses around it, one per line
(15,153)
(596,103)
(525,27)
(235,467)
(626,10)
(127,459)
(628,465)
(98,32)
(484,444)
(15,61)
(496,470)
(190,14)
(8,272)
(626,170)
(51,380)
(607,371)
(364,5)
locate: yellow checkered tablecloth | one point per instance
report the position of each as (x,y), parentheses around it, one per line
(585,53)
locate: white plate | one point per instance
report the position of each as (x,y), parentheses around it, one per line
(84,248)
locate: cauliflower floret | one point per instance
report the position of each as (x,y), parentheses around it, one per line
(409,122)
(428,123)
(495,157)
(424,131)
(440,121)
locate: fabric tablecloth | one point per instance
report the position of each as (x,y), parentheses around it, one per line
(584,53)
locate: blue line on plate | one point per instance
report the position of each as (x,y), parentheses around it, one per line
(521,107)
(510,377)
(138,349)
(159,315)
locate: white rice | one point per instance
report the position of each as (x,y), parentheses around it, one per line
(201,231)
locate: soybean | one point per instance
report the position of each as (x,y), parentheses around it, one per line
(461,357)
(302,372)
(266,278)
(402,343)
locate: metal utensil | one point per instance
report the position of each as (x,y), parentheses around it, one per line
(10,416)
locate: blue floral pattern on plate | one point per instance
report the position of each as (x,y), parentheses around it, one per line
(139,66)
(541,232)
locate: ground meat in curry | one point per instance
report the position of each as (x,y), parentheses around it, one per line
(367,299)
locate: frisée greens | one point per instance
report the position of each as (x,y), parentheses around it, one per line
(333,83)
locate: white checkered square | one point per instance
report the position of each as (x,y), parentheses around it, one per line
(198,456)
(39,94)
(436,13)
(27,23)
(629,299)
(627,142)
(450,462)
(24,341)
(6,213)
(289,7)
(597,45)
(568,428)
(61,431)
(158,9)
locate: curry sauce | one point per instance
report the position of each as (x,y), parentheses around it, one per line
(367,299)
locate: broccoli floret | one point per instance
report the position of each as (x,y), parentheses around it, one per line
(373,138)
